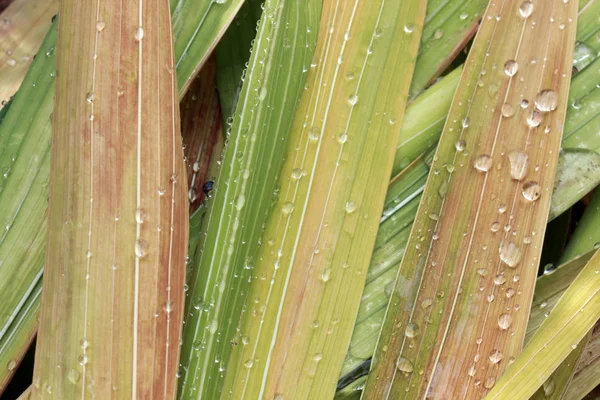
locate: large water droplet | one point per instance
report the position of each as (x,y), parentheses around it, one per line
(483,163)
(507,110)
(519,163)
(546,100)
(510,254)
(404,365)
(504,321)
(531,191)
(499,280)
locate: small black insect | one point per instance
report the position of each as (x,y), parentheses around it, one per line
(208,187)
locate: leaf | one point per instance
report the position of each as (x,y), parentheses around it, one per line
(573,316)
(318,239)
(24,25)
(458,243)
(245,190)
(112,301)
(24,158)
(586,236)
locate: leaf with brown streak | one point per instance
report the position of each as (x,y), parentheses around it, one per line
(112,300)
(453,325)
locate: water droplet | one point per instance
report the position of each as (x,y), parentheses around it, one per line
(314,134)
(141,248)
(12,364)
(220,1)
(89,97)
(466,122)
(262,94)
(507,110)
(546,100)
(426,303)
(549,269)
(404,365)
(409,28)
(342,138)
(463,15)
(350,206)
(73,376)
(438,34)
(297,173)
(535,119)
(11,62)
(510,292)
(248,363)
(100,25)
(139,34)
(531,191)
(489,382)
(240,201)
(287,208)
(510,254)
(411,330)
(504,321)
(326,275)
(519,163)
(511,67)
(82,359)
(84,344)
(483,163)
(461,145)
(140,216)
(353,99)
(524,103)
(278,396)
(499,280)
(496,356)
(549,386)
(495,227)
(482,271)
(168,307)
(526,9)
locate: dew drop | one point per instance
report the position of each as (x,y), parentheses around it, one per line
(409,28)
(89,97)
(519,163)
(248,363)
(510,254)
(499,280)
(495,227)
(240,201)
(546,100)
(287,208)
(535,119)
(100,25)
(141,248)
(140,216)
(549,269)
(507,110)
(404,365)
(549,387)
(438,34)
(461,145)
(139,34)
(278,396)
(511,67)
(350,206)
(526,9)
(314,134)
(12,364)
(82,359)
(297,173)
(353,99)
(483,163)
(342,138)
(489,382)
(411,330)
(466,122)
(326,275)
(496,356)
(531,191)
(73,376)
(504,321)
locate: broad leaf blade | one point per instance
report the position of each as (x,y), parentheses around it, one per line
(480,217)
(318,240)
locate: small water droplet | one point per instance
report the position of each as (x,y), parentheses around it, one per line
(248,363)
(507,110)
(342,138)
(326,275)
(535,119)
(411,330)
(549,269)
(510,254)
(287,208)
(483,163)
(549,386)
(240,201)
(404,365)
(73,376)
(89,97)
(278,396)
(82,359)
(353,99)
(504,321)
(499,280)
(510,292)
(511,67)
(409,28)
(297,173)
(489,382)
(466,122)
(350,206)
(463,15)
(141,248)
(140,216)
(524,103)
(100,25)
(526,9)
(519,163)
(12,364)
(139,34)
(546,100)
(496,356)
(495,227)
(461,145)
(314,134)
(531,191)
(438,34)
